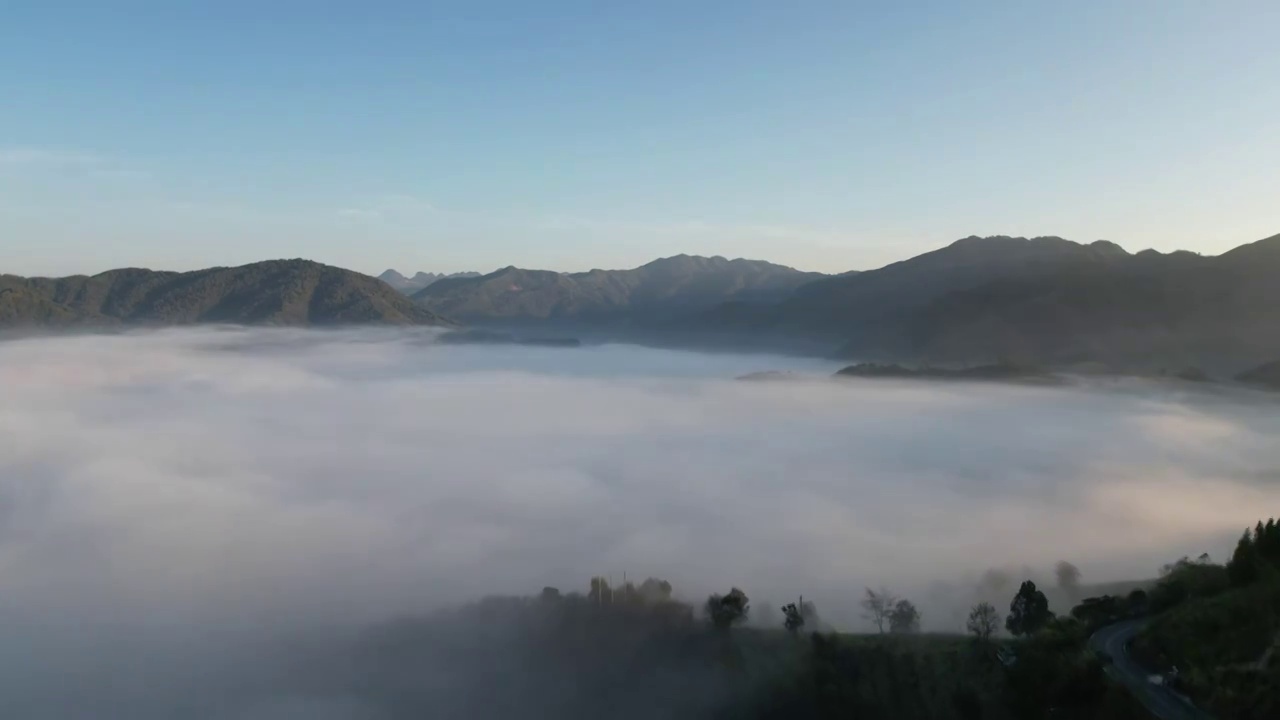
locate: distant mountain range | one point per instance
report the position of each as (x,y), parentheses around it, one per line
(411,285)
(664,290)
(1267,375)
(978,300)
(1050,301)
(277,292)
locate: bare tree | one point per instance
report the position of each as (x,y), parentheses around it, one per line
(877,606)
(984,621)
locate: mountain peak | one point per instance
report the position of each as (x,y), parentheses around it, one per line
(1106,246)
(420,280)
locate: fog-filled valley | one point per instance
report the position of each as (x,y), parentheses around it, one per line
(205,522)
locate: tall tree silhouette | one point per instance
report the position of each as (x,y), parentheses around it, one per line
(1029,611)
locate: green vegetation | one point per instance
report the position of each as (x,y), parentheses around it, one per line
(1049,301)
(635,647)
(668,288)
(997,371)
(1219,626)
(1029,612)
(277,292)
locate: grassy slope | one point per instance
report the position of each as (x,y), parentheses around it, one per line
(1216,643)
(914,676)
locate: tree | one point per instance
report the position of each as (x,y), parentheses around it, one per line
(655,590)
(983,622)
(794,621)
(1029,611)
(1243,567)
(600,593)
(550,594)
(725,611)
(905,618)
(877,606)
(1068,579)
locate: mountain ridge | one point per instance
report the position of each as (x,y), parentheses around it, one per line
(1146,309)
(1044,300)
(662,288)
(271,292)
(420,280)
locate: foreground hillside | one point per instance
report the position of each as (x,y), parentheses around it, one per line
(1219,626)
(1209,636)
(636,652)
(667,289)
(277,292)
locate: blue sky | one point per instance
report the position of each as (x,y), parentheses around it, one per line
(447,136)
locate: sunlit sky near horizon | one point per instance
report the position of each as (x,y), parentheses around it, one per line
(445,136)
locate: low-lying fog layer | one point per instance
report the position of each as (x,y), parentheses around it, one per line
(174,503)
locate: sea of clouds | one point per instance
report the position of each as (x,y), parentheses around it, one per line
(178,505)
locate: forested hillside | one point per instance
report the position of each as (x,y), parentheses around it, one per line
(1219,625)
(1160,310)
(669,289)
(638,652)
(277,292)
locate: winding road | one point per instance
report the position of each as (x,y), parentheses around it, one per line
(1158,699)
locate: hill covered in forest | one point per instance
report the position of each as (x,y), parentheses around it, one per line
(668,289)
(1041,300)
(276,292)
(1000,300)
(1173,310)
(640,652)
(646,650)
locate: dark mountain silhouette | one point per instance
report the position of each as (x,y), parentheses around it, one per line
(276,292)
(1039,301)
(411,285)
(668,289)
(1267,375)
(1149,309)
(842,304)
(1042,301)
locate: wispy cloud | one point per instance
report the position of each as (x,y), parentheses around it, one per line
(688,228)
(359,213)
(388,207)
(44,159)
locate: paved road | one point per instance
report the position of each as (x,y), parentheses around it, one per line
(1161,701)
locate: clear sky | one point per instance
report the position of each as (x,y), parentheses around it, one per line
(444,136)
